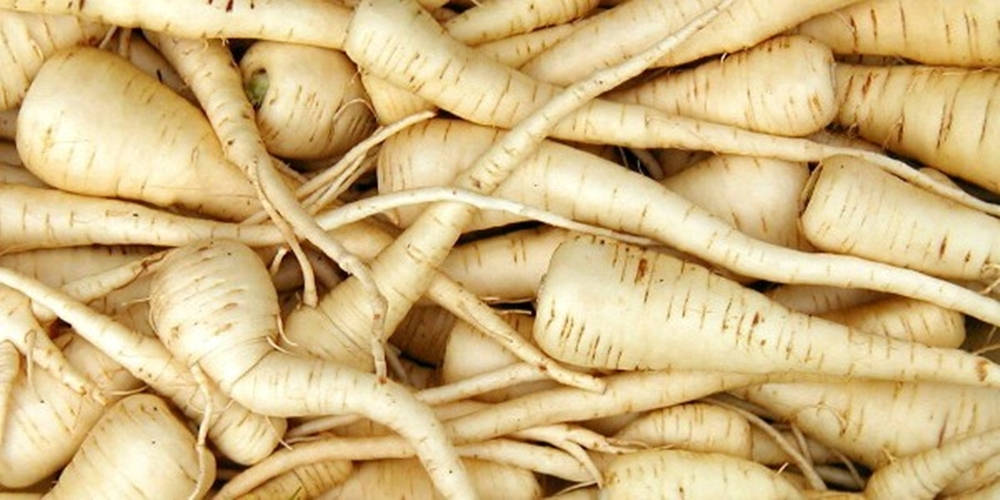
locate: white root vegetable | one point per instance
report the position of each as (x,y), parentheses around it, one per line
(851,208)
(308,481)
(470,353)
(423,333)
(905,319)
(924,475)
(634,25)
(232,340)
(667,474)
(813,299)
(567,181)
(523,255)
(310,102)
(386,479)
(28,39)
(495,19)
(309,22)
(64,146)
(950,127)
(137,449)
(240,435)
(924,416)
(940,32)
(767,212)
(681,316)
(46,422)
(783,86)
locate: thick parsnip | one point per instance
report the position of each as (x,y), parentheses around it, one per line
(567,181)
(668,474)
(63,145)
(232,340)
(387,479)
(28,39)
(46,421)
(310,102)
(851,208)
(949,127)
(783,86)
(942,32)
(681,316)
(138,449)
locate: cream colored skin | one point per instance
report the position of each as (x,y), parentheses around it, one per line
(496,19)
(46,421)
(936,32)
(924,475)
(523,255)
(698,427)
(678,474)
(471,353)
(388,479)
(247,367)
(566,181)
(783,86)
(634,25)
(311,102)
(169,158)
(141,54)
(423,333)
(949,127)
(682,316)
(304,482)
(138,449)
(767,212)
(813,299)
(309,22)
(516,50)
(852,208)
(390,102)
(28,39)
(905,319)
(850,417)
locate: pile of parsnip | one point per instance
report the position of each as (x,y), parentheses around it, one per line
(575,249)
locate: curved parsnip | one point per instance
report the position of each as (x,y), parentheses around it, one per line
(138,449)
(783,86)
(26,40)
(310,102)
(942,32)
(636,309)
(758,196)
(564,180)
(664,474)
(851,208)
(232,339)
(169,156)
(950,127)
